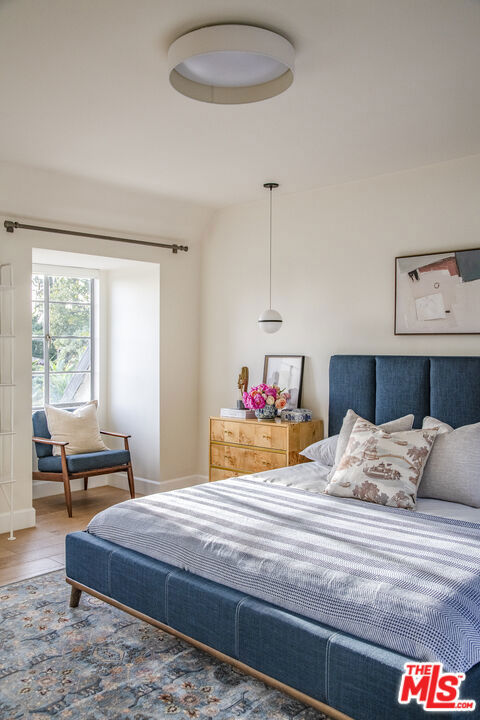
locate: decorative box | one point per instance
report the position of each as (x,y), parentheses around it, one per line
(296,415)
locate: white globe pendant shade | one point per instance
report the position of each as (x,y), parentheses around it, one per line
(229,64)
(270,321)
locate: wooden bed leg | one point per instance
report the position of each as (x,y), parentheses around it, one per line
(85,483)
(75,597)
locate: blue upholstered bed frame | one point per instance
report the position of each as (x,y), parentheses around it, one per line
(344,676)
(381,387)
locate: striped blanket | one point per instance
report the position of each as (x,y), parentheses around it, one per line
(404,580)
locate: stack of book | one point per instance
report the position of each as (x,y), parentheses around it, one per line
(237,413)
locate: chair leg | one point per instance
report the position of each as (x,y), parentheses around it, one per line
(131,481)
(85,483)
(68,495)
(66,481)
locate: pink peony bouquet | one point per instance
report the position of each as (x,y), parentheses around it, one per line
(263,395)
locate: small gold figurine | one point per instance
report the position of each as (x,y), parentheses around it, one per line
(243,380)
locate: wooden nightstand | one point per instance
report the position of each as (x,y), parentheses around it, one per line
(240,447)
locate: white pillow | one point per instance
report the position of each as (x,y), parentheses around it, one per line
(403,423)
(323,451)
(452,472)
(430,422)
(79,428)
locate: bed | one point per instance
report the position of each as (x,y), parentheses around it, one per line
(288,632)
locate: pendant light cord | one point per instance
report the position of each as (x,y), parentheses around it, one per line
(270,254)
(270,186)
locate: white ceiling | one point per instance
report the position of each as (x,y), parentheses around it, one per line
(380,86)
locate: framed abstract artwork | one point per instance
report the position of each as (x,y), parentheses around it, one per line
(438,293)
(286,371)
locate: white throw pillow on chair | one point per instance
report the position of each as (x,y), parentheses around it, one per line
(79,428)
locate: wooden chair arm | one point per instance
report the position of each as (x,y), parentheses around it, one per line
(114,434)
(47,441)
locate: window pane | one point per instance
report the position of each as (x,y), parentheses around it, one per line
(37,287)
(69,355)
(37,391)
(68,320)
(37,356)
(38,327)
(67,289)
(65,388)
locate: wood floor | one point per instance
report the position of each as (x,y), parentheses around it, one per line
(42,549)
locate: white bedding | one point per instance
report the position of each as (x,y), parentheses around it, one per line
(405,580)
(313,477)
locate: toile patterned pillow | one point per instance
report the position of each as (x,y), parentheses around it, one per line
(382,467)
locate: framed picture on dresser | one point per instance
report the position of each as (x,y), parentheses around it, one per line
(286,371)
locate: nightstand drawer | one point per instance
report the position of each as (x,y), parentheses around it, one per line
(221,474)
(262,434)
(245,459)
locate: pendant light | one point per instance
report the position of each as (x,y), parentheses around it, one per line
(270,321)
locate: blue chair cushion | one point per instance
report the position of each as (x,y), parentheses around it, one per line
(84,461)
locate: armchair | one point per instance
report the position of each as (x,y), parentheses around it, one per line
(63,467)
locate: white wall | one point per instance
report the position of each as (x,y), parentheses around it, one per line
(334,252)
(133,362)
(51,198)
(333,276)
(43,194)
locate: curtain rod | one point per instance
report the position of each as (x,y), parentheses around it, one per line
(10,226)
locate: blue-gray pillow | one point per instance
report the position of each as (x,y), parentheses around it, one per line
(452,472)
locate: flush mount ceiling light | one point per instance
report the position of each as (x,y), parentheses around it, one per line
(228,64)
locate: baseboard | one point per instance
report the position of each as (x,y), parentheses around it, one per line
(45,488)
(150,487)
(21,519)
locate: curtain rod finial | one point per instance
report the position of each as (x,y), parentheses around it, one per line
(9,226)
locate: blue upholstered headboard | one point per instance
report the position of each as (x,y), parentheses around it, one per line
(383,387)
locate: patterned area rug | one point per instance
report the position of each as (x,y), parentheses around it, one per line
(96,662)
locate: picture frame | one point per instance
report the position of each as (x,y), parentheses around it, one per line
(438,293)
(286,371)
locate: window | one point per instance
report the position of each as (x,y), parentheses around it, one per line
(62,339)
